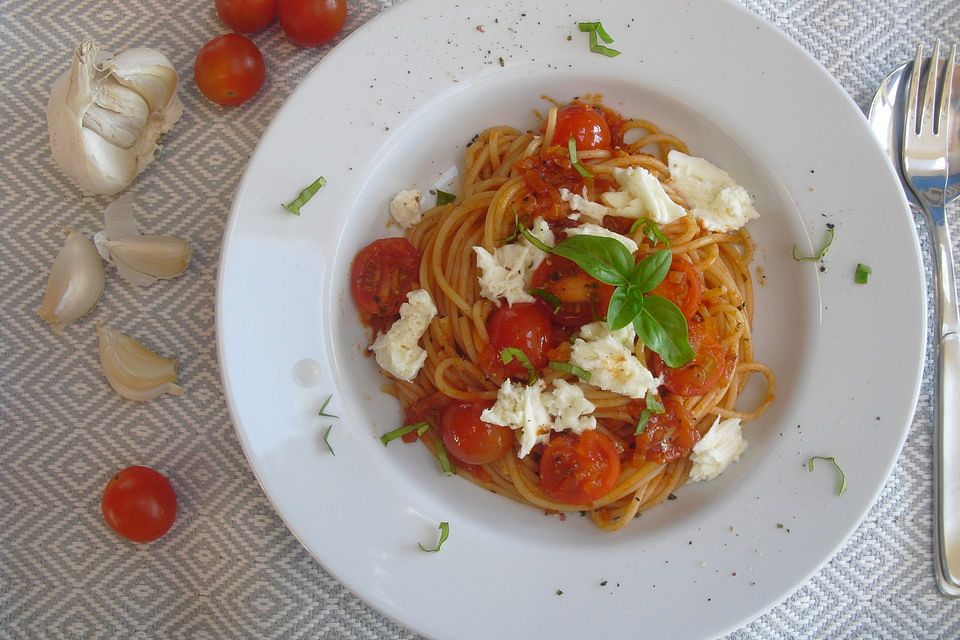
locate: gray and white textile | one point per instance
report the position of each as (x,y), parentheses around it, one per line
(229,568)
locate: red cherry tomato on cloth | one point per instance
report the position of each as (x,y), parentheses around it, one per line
(525,326)
(584,124)
(246,16)
(312,22)
(470,439)
(139,504)
(229,70)
(382,275)
(579,469)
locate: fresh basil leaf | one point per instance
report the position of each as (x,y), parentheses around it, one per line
(550,298)
(510,354)
(625,305)
(862,275)
(516,229)
(603,33)
(843,476)
(652,406)
(574,159)
(326,439)
(662,327)
(606,259)
(444,534)
(831,232)
(419,427)
(532,239)
(651,271)
(323,408)
(588,26)
(651,230)
(444,198)
(566,367)
(305,195)
(444,460)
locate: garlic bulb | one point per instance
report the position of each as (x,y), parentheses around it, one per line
(140,260)
(75,283)
(134,371)
(106,113)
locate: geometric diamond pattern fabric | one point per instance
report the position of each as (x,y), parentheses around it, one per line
(229,568)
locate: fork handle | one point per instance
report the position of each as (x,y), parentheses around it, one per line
(947,438)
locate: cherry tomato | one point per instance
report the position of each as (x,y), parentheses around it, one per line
(582,298)
(470,439)
(312,22)
(139,504)
(682,287)
(668,436)
(579,469)
(229,70)
(246,16)
(704,372)
(382,275)
(524,326)
(583,123)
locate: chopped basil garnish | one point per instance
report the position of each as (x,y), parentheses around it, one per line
(444,198)
(658,321)
(510,354)
(444,534)
(574,160)
(444,460)
(566,367)
(516,229)
(550,298)
(651,230)
(532,239)
(863,273)
(843,476)
(653,406)
(305,195)
(326,439)
(419,427)
(831,232)
(596,30)
(323,408)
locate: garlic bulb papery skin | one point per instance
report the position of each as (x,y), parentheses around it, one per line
(140,259)
(133,370)
(106,114)
(75,283)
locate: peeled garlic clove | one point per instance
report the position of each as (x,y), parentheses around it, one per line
(133,370)
(75,283)
(106,114)
(158,257)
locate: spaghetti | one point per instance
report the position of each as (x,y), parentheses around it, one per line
(512,177)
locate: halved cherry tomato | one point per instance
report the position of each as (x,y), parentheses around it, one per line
(583,123)
(229,69)
(583,299)
(139,504)
(382,275)
(545,174)
(704,371)
(579,469)
(682,287)
(470,439)
(246,16)
(525,326)
(312,22)
(668,436)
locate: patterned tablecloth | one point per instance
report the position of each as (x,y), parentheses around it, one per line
(230,568)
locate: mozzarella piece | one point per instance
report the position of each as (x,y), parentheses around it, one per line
(600,329)
(612,365)
(590,229)
(721,447)
(506,273)
(716,200)
(520,406)
(397,351)
(580,204)
(570,408)
(405,208)
(641,195)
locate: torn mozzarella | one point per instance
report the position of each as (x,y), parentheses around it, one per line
(715,199)
(397,351)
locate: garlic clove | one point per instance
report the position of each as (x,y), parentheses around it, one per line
(75,283)
(118,218)
(158,257)
(148,72)
(133,370)
(118,114)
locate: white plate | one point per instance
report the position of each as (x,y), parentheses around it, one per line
(393,107)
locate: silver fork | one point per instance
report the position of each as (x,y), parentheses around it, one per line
(926,142)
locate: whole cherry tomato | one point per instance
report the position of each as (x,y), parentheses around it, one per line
(470,439)
(312,22)
(525,326)
(139,504)
(246,16)
(584,124)
(579,469)
(229,70)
